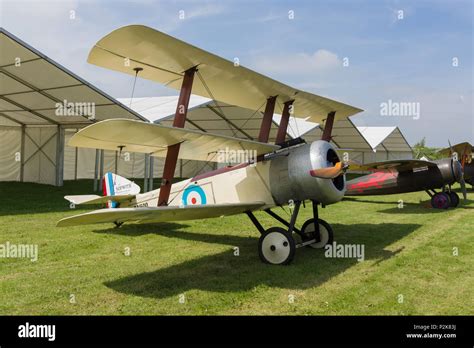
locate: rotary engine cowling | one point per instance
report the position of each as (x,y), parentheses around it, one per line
(290,177)
(450,169)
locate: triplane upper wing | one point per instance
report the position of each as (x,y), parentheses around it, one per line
(164,59)
(154,139)
(158,214)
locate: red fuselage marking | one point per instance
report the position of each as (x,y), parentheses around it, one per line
(374,180)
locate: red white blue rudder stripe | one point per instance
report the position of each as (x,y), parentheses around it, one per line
(113,185)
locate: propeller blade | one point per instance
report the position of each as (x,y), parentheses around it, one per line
(463,187)
(329,172)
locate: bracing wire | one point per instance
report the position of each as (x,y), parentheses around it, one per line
(296,125)
(254,113)
(289,123)
(137,70)
(213,98)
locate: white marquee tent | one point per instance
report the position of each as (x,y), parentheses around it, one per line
(364,144)
(388,143)
(42,105)
(346,138)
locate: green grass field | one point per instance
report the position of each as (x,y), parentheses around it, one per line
(408,252)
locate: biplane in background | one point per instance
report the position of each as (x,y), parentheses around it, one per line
(463,152)
(401,176)
(287,172)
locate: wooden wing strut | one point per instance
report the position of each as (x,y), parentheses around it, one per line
(173,150)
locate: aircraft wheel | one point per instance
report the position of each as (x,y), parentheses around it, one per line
(326,234)
(441,200)
(454,198)
(276,246)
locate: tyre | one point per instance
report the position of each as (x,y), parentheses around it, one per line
(326,234)
(441,200)
(454,198)
(276,246)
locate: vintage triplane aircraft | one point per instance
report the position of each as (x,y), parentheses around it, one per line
(287,172)
(400,176)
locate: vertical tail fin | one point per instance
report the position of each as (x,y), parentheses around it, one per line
(113,184)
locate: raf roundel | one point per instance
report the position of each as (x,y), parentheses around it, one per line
(194,195)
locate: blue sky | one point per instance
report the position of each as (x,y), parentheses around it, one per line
(403,60)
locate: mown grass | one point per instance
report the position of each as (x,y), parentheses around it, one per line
(408,252)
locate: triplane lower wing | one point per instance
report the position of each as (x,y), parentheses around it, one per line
(158,214)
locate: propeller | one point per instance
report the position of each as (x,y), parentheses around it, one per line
(461,180)
(460,165)
(463,187)
(330,172)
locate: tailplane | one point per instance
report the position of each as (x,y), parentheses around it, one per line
(116,189)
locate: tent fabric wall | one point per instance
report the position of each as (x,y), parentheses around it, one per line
(39,157)
(400,155)
(33,90)
(69,158)
(10,154)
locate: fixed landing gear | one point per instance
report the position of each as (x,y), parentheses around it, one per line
(444,200)
(454,197)
(441,200)
(324,237)
(277,245)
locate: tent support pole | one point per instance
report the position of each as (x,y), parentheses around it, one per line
(116,162)
(328,126)
(22,153)
(173,150)
(267,120)
(150,175)
(145,173)
(285,118)
(101,169)
(75,160)
(96,170)
(60,157)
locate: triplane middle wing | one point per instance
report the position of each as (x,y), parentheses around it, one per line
(154,139)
